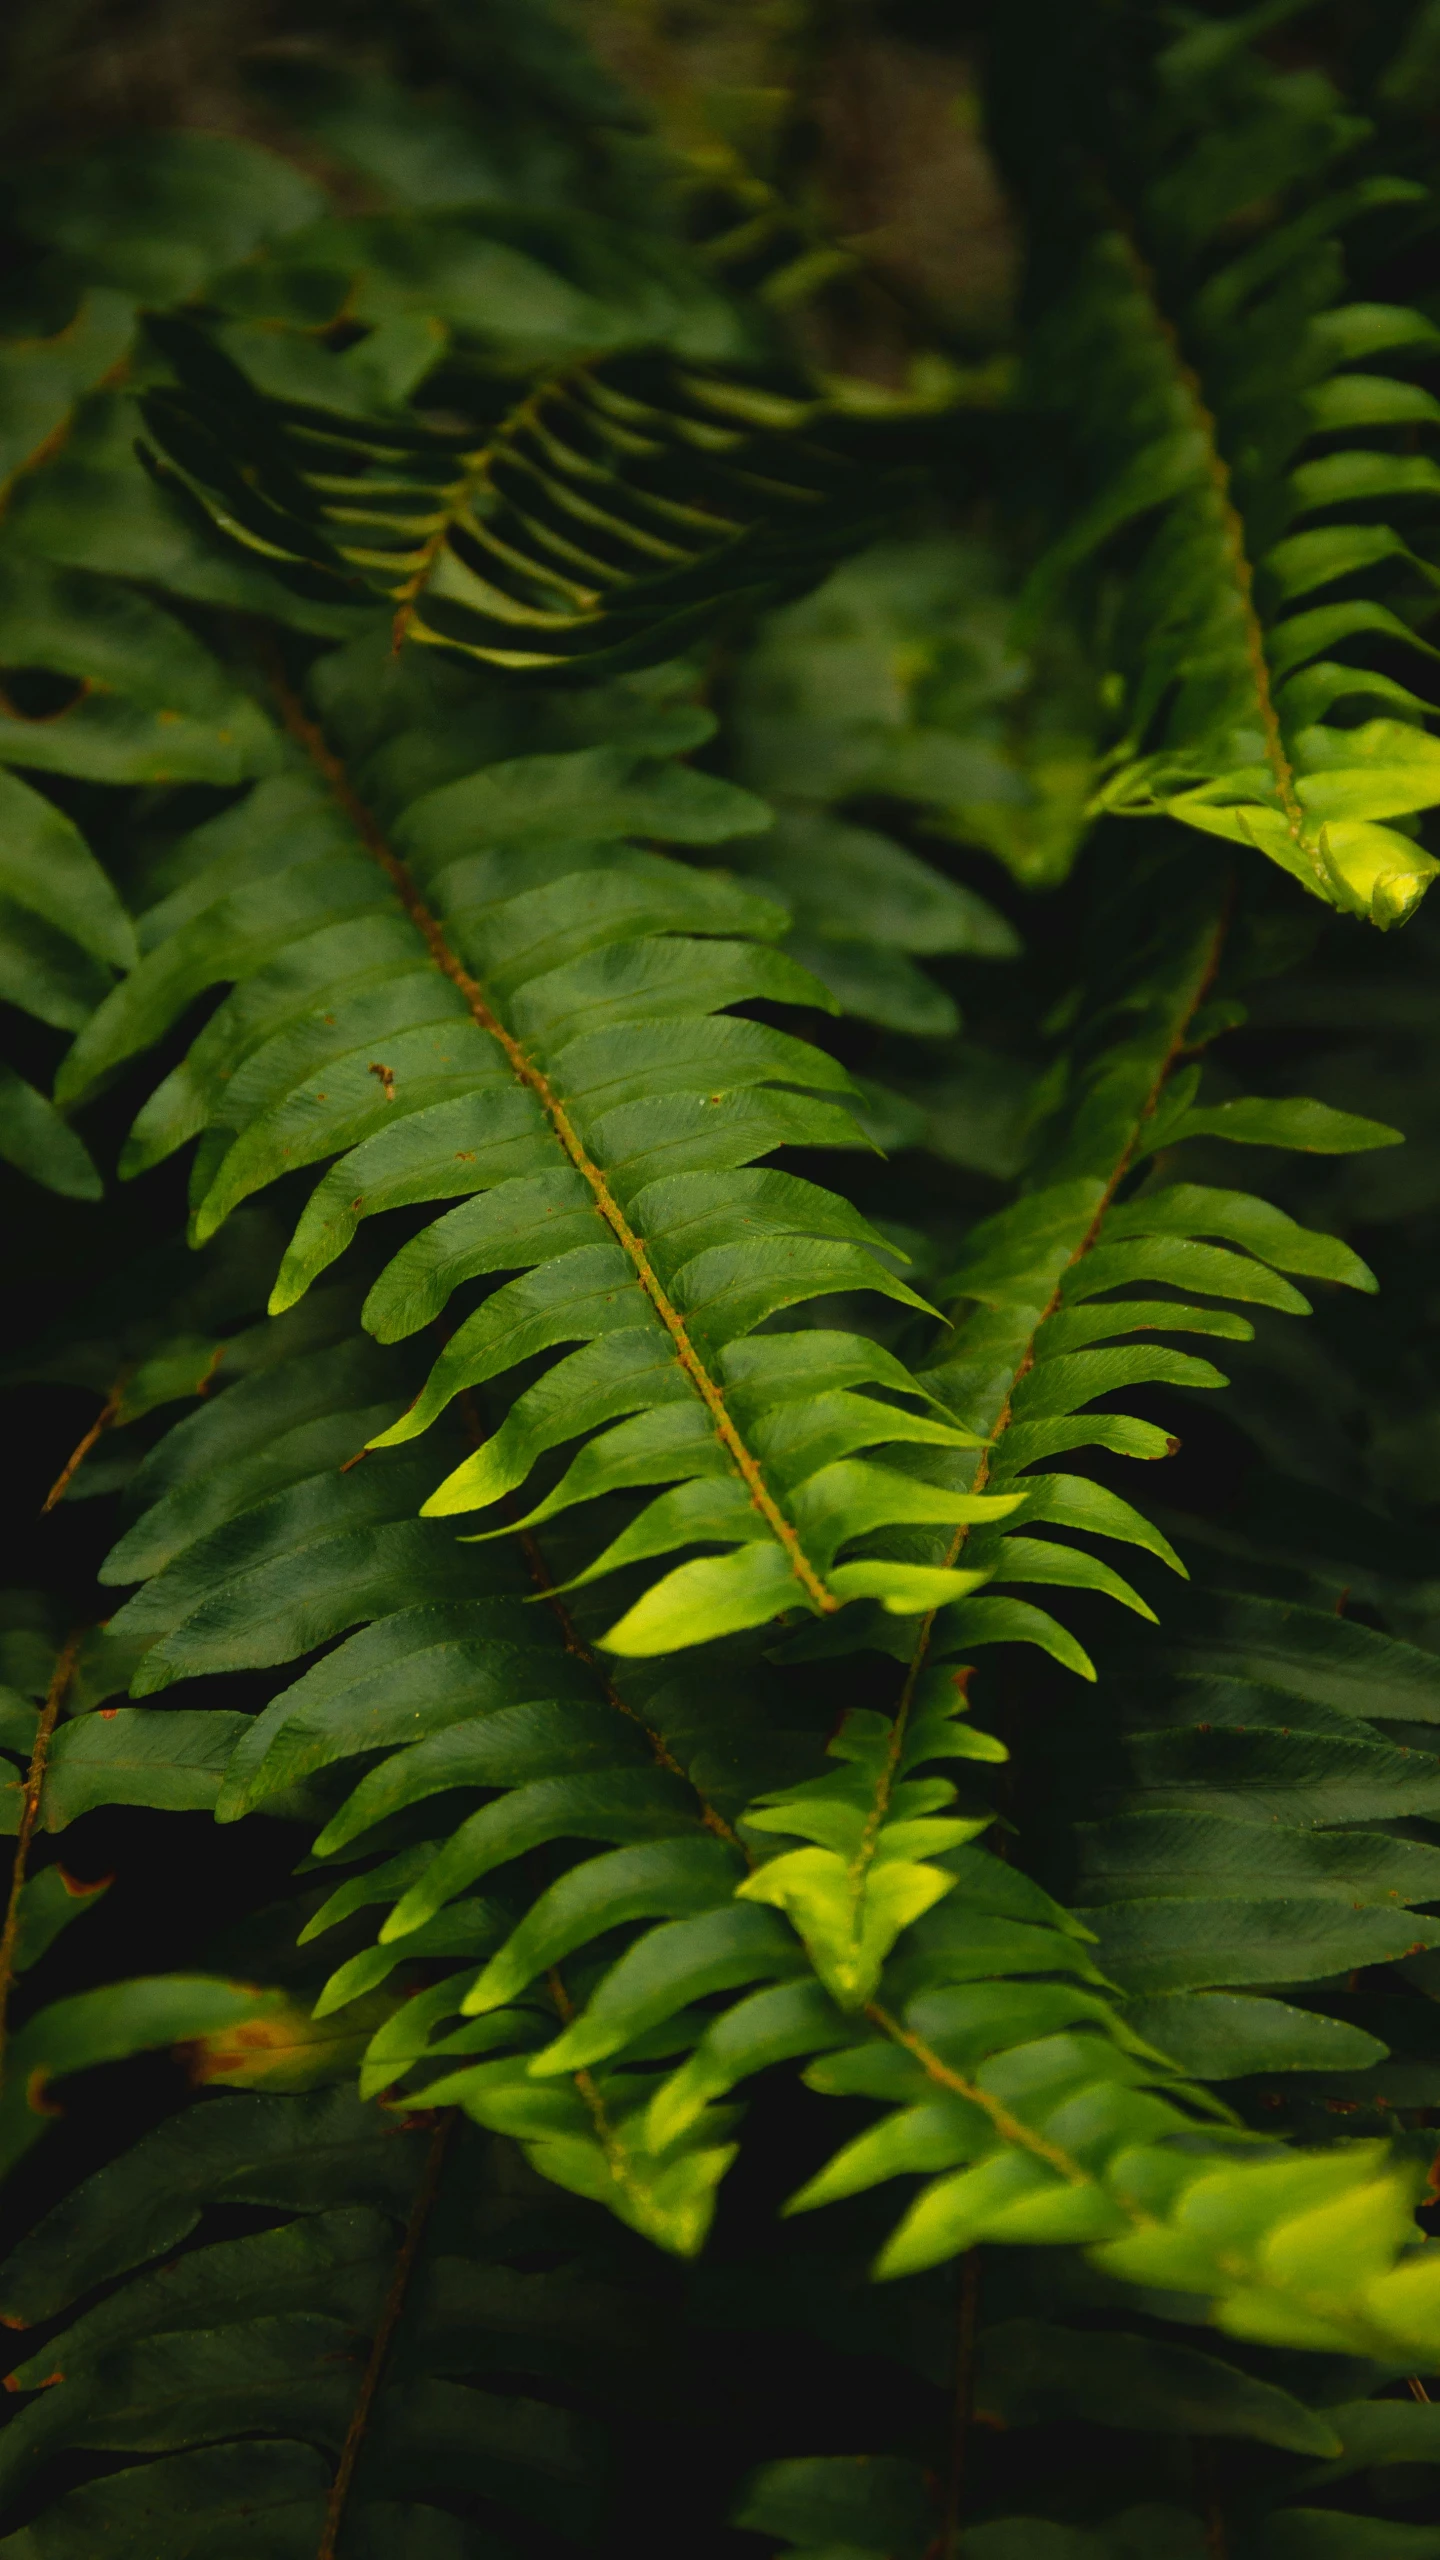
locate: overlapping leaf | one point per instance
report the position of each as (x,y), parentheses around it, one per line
(607,519)
(1243,1842)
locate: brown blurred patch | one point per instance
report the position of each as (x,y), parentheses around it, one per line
(875,138)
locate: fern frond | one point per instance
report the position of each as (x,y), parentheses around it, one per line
(603,523)
(1046,1265)
(1038,2115)
(262,1540)
(555,1096)
(345,2371)
(1222,435)
(1261,1722)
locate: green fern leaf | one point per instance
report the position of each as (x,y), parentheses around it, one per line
(603,524)
(241,2352)
(1192,377)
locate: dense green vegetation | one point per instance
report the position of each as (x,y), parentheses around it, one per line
(723,1727)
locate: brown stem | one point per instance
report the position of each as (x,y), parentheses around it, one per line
(380,2345)
(55,1697)
(586,2082)
(1009,2127)
(860,1863)
(1217,471)
(1026,1363)
(81,1451)
(456,499)
(311,738)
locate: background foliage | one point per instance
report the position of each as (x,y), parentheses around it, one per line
(713,794)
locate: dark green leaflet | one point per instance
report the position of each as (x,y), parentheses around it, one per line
(1242,1845)
(63,937)
(878,2506)
(885,2505)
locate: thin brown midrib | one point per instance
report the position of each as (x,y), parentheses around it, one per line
(1218,474)
(55,1697)
(311,738)
(1218,470)
(108,1414)
(1026,1363)
(1010,2127)
(59,435)
(592,2096)
(339,2497)
(457,497)
(1231,2260)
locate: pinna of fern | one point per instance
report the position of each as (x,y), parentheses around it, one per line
(608,518)
(64,936)
(1237,439)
